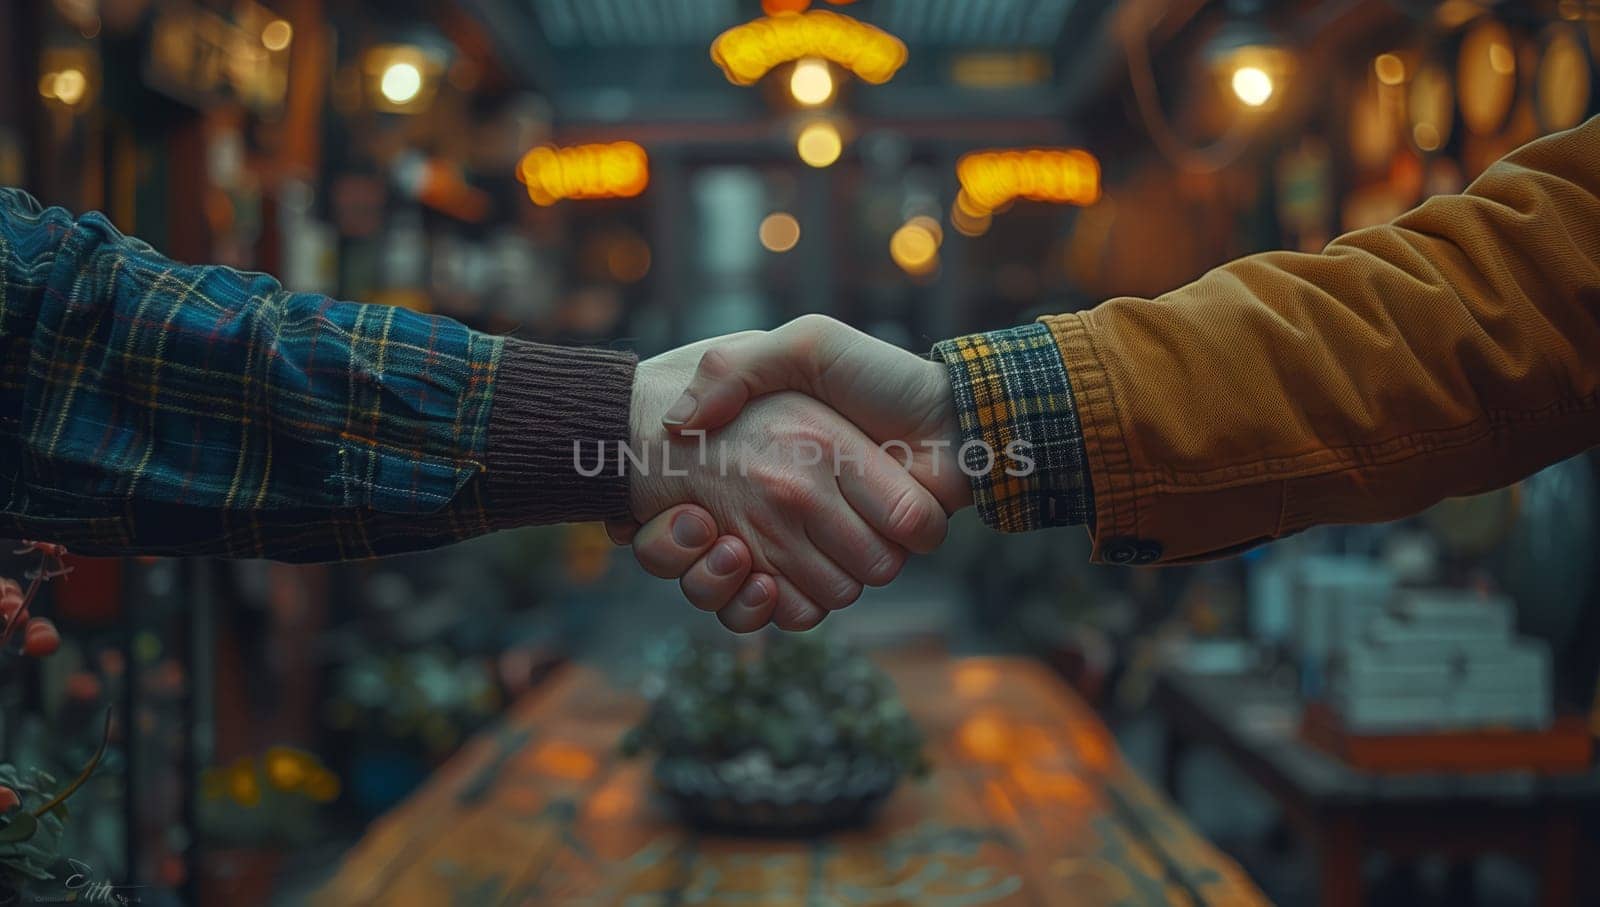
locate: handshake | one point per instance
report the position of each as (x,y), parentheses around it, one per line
(777,473)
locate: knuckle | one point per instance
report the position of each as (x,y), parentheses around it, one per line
(715,363)
(914,519)
(812,322)
(806,334)
(798,620)
(845,592)
(739,624)
(655,565)
(795,612)
(885,567)
(699,594)
(791,491)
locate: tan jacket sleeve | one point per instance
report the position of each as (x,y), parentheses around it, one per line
(1453,351)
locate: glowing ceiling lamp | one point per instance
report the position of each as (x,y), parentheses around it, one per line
(616,170)
(929,225)
(277,34)
(969,219)
(811,83)
(1252,85)
(1248,57)
(784,7)
(401,82)
(820,144)
(1390,69)
(67,78)
(779,232)
(992,179)
(748,52)
(915,249)
(402,78)
(68,86)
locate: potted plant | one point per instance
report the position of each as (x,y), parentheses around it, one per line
(32,820)
(805,736)
(251,812)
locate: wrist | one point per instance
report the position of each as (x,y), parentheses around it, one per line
(552,408)
(657,383)
(958,495)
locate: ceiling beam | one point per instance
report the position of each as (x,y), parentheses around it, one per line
(520,44)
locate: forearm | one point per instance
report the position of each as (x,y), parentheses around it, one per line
(1012,394)
(1451,352)
(1448,353)
(153,407)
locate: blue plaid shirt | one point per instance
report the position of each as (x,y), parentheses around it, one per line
(152,407)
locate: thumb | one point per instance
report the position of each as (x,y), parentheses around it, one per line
(731,374)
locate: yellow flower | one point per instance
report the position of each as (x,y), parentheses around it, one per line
(288,768)
(243,785)
(322,786)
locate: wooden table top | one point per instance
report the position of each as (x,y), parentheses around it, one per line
(1029,802)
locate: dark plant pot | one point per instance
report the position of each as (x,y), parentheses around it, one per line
(240,877)
(750,796)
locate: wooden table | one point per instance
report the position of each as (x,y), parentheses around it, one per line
(1345,812)
(1029,802)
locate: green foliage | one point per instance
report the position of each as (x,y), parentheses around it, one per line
(274,800)
(434,696)
(29,845)
(804,700)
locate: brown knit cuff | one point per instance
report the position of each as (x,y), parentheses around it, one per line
(546,398)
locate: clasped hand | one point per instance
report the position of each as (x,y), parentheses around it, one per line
(776,473)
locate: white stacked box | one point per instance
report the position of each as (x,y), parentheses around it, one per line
(1336,596)
(1443,660)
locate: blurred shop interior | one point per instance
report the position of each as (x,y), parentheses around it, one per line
(1395,714)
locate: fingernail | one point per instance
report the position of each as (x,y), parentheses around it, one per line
(680,412)
(690,531)
(754,595)
(723,560)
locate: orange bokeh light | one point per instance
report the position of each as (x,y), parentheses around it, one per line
(616,799)
(563,760)
(985,737)
(992,179)
(784,7)
(975,680)
(749,51)
(780,7)
(615,170)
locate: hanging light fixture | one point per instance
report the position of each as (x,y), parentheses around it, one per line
(615,170)
(749,51)
(68,77)
(779,232)
(1248,58)
(915,249)
(402,78)
(811,82)
(819,144)
(277,34)
(990,180)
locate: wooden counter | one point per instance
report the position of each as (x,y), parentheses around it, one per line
(1029,802)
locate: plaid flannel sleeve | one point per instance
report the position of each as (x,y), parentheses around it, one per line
(151,407)
(1012,395)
